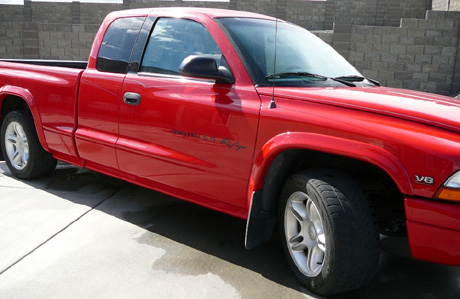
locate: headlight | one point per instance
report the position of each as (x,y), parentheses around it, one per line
(450,190)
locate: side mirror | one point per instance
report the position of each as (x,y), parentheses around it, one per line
(205,67)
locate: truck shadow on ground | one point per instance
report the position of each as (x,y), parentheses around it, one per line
(222,237)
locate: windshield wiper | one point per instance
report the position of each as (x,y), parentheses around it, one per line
(300,74)
(354,78)
(345,82)
(307,74)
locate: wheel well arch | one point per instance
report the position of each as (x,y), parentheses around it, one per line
(13,99)
(380,187)
(7,104)
(291,161)
(12,103)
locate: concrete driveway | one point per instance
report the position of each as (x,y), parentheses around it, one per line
(79,234)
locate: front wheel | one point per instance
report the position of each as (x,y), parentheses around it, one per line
(23,153)
(328,231)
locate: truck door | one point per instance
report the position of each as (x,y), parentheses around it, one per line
(193,138)
(100,93)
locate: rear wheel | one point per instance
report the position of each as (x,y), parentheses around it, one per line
(23,153)
(328,232)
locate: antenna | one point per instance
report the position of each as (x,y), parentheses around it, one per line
(272,102)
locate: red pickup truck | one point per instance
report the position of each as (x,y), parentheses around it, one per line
(254,117)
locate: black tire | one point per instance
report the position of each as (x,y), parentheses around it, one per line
(343,218)
(37,163)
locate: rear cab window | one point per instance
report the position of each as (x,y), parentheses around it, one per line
(117,45)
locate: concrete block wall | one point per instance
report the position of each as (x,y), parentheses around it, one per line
(421,54)
(393,11)
(454,5)
(11,13)
(356,12)
(309,14)
(416,52)
(65,42)
(94,13)
(266,7)
(374,12)
(446,5)
(31,40)
(315,14)
(45,12)
(11,39)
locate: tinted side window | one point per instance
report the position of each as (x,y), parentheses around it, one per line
(117,45)
(172,40)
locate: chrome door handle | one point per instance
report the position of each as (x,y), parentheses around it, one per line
(132,98)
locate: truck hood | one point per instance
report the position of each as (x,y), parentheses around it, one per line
(431,109)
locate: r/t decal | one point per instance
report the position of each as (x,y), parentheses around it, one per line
(232,144)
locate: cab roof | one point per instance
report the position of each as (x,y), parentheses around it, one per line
(210,12)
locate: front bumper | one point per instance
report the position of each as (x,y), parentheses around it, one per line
(434,230)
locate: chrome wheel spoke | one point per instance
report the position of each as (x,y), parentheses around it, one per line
(315,258)
(296,239)
(297,244)
(25,156)
(322,242)
(308,262)
(17,158)
(314,214)
(299,247)
(20,131)
(11,138)
(299,211)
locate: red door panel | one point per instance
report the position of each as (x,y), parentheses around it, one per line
(98,104)
(192,135)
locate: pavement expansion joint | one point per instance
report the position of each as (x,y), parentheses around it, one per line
(60,231)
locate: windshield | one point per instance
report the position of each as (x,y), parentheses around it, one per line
(300,55)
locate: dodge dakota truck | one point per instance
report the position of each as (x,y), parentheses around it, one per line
(251,116)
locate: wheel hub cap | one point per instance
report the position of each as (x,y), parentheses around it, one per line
(305,234)
(16,145)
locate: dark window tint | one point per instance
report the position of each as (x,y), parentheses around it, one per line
(173,40)
(117,45)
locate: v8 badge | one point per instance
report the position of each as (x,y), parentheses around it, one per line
(424,180)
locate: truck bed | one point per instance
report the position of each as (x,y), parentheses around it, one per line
(50,89)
